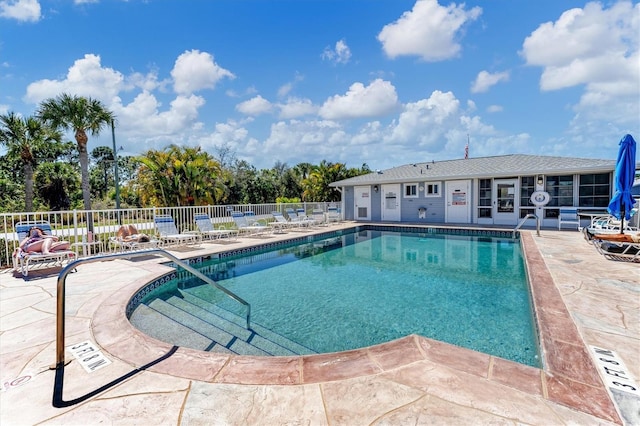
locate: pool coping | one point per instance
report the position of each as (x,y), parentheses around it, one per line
(568,376)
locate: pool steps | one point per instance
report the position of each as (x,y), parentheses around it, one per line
(259,331)
(193,322)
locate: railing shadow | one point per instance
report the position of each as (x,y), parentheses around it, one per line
(58,402)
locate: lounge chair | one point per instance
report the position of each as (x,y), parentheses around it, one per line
(130,244)
(294,217)
(169,233)
(302,216)
(281,222)
(608,224)
(23,261)
(333,215)
(319,216)
(208,231)
(618,250)
(248,227)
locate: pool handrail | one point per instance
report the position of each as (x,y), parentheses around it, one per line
(62,277)
(524,219)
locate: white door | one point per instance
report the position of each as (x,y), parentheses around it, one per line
(505,202)
(362,208)
(391,202)
(458,201)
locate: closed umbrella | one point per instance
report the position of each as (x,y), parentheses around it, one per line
(622,201)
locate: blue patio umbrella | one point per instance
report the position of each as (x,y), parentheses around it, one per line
(622,202)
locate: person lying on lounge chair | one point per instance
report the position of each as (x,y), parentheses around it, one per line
(129,234)
(38,242)
(629,237)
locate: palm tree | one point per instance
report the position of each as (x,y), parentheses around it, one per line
(180,176)
(24,138)
(81,115)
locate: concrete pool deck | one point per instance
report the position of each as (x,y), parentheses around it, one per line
(582,300)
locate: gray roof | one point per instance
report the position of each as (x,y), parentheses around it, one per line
(483,167)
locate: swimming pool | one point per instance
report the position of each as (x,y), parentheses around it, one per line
(356,290)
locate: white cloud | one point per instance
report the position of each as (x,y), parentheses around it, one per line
(295,107)
(286,88)
(339,55)
(86,77)
(299,141)
(485,80)
(255,106)
(429,31)
(425,121)
(378,98)
(231,134)
(143,117)
(495,108)
(21,10)
(195,70)
(597,48)
(144,122)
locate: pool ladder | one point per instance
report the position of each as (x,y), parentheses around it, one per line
(524,219)
(60,319)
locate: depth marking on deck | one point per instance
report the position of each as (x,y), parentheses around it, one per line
(624,391)
(613,371)
(89,356)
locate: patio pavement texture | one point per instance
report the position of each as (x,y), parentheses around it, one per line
(581,300)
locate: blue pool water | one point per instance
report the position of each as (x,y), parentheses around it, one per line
(370,287)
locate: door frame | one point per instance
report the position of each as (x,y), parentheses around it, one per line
(505,218)
(386,216)
(448,187)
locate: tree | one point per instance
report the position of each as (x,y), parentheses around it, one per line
(81,115)
(180,176)
(25,138)
(57,185)
(101,176)
(316,185)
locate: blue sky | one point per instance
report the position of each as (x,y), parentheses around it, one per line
(382,82)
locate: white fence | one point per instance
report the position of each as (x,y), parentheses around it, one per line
(76,226)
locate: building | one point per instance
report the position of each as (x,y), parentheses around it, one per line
(485,191)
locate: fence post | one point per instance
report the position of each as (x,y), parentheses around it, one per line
(75,224)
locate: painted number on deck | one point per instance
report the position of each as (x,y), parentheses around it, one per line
(613,371)
(89,356)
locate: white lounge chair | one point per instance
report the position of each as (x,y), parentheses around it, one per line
(319,216)
(608,224)
(617,250)
(169,233)
(294,217)
(208,231)
(333,215)
(23,261)
(302,216)
(135,241)
(246,227)
(281,222)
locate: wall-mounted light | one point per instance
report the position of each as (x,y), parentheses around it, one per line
(540,180)
(375,188)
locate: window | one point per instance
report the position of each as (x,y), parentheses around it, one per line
(560,188)
(594,190)
(410,190)
(431,189)
(484,198)
(527,187)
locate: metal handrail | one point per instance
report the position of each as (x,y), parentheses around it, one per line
(60,319)
(524,219)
